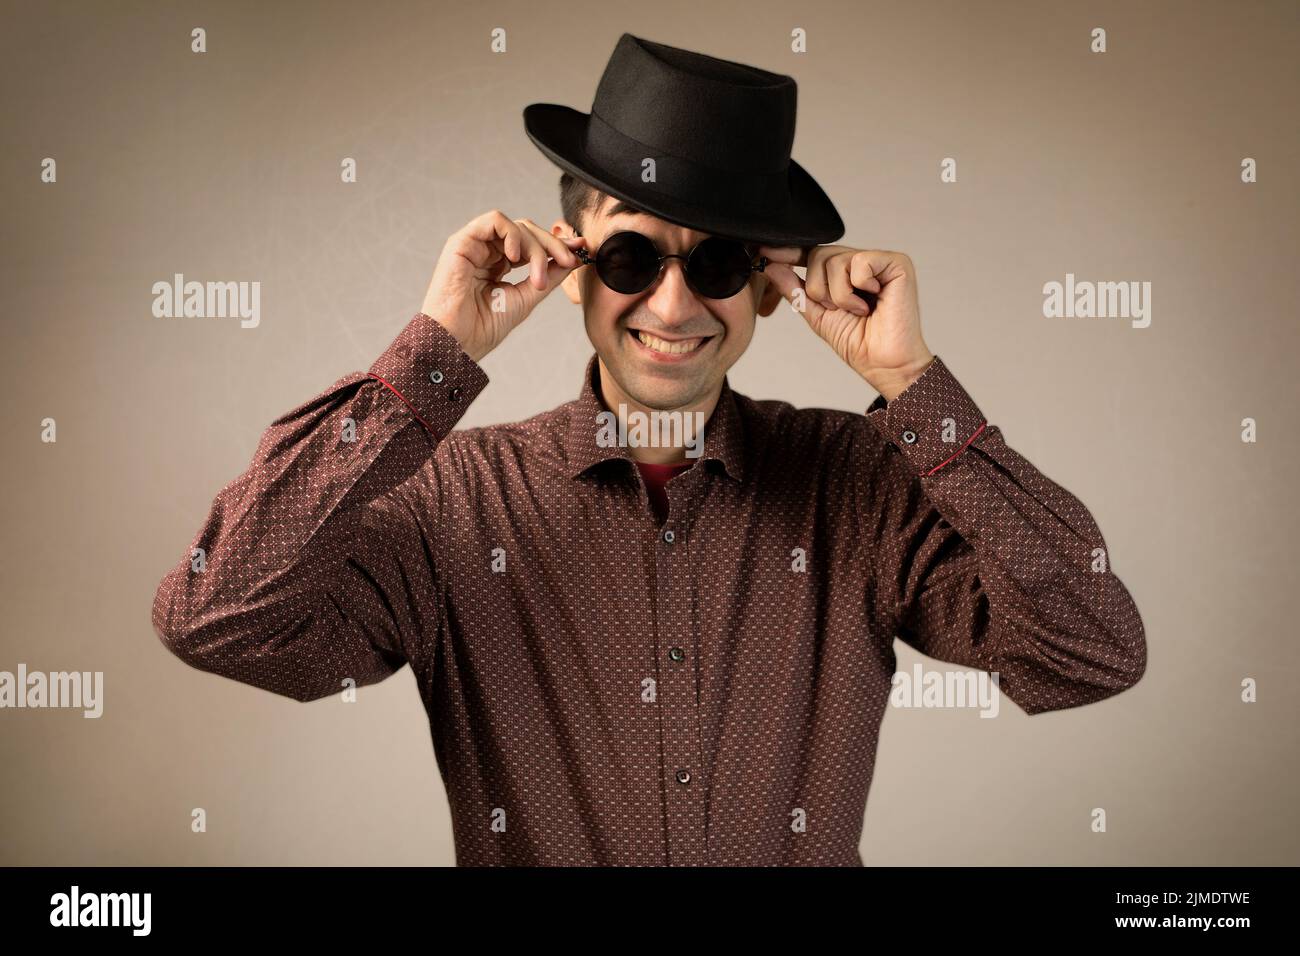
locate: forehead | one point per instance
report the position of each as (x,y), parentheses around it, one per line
(616,214)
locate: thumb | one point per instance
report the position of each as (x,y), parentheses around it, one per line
(792,289)
(530,295)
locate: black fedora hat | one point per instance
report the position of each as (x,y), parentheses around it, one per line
(719,134)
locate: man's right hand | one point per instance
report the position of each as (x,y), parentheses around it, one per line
(466,295)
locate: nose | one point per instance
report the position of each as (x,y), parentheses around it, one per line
(672,299)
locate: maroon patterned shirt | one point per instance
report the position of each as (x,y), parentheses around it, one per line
(605,689)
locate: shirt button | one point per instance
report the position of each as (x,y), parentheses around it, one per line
(454,393)
(909,436)
(677,654)
(669,537)
(435,376)
(683,776)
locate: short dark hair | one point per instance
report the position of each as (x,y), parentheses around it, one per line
(576,198)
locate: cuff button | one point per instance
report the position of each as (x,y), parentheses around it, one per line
(435,376)
(909,436)
(454,393)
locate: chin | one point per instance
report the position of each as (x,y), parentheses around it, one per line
(659,392)
(667,386)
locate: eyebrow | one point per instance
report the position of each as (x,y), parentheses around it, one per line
(626,207)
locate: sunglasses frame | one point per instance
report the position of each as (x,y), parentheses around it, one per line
(590,259)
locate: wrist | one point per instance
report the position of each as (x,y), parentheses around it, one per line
(895,381)
(467,345)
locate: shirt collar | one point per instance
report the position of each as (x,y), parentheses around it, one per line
(723,432)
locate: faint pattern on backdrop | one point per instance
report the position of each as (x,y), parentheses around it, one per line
(1123,166)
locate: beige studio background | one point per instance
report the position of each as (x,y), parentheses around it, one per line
(1122,166)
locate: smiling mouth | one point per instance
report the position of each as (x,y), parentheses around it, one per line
(667,347)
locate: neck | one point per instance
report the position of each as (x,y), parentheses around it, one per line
(668,438)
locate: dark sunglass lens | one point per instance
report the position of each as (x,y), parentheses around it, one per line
(627,262)
(719,268)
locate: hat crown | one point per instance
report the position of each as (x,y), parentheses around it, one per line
(718,113)
(693,140)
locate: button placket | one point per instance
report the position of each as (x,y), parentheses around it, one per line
(679,692)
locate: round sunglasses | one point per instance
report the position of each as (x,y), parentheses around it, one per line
(629,262)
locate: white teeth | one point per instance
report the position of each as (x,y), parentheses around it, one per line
(672,348)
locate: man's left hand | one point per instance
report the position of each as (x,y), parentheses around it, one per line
(883,345)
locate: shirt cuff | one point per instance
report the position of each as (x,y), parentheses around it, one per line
(431,373)
(932,421)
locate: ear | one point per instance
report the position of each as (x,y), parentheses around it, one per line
(572,285)
(769,297)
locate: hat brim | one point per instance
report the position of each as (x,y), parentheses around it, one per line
(806,217)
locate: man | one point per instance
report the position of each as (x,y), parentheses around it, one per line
(631,653)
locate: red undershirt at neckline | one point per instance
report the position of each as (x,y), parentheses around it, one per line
(656,476)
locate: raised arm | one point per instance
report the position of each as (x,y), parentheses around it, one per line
(976,558)
(969,553)
(304,573)
(307,571)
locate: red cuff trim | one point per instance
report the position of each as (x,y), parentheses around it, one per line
(958,451)
(408,404)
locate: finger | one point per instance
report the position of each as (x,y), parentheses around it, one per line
(554,245)
(532,251)
(487,238)
(815,283)
(483,251)
(865,280)
(531,293)
(792,289)
(520,247)
(790,255)
(878,264)
(841,288)
(862,274)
